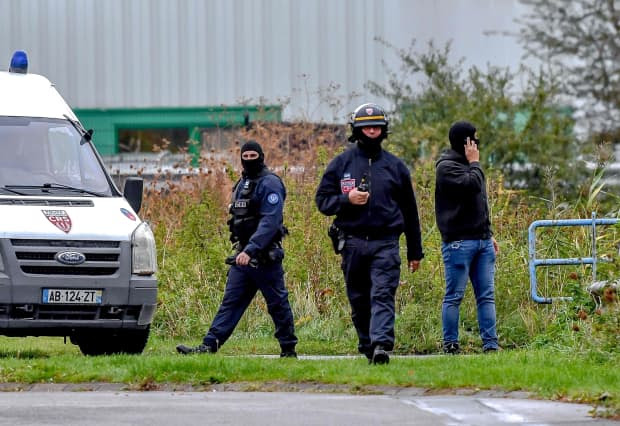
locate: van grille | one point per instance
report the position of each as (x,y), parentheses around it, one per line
(67,312)
(67,270)
(65,243)
(90,257)
(71,312)
(38,257)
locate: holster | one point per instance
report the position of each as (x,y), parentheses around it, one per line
(272,255)
(338,238)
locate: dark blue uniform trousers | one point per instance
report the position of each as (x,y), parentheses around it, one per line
(241,287)
(372,273)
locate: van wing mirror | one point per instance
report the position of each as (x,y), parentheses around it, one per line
(133,192)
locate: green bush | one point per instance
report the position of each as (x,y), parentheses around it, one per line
(524,131)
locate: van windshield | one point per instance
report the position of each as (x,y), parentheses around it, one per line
(37,154)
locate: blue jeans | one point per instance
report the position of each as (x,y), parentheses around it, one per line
(474,259)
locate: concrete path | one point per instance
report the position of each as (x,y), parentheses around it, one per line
(279,408)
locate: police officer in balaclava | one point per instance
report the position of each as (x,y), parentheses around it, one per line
(256,226)
(253,161)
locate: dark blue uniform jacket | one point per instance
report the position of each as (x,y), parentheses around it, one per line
(269,197)
(391,208)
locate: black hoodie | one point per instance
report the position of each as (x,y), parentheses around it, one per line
(461,205)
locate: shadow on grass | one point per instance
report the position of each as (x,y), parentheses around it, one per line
(24,354)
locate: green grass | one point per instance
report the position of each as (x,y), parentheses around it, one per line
(544,372)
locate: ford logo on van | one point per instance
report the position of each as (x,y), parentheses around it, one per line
(70,258)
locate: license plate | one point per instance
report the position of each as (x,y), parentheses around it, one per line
(72,296)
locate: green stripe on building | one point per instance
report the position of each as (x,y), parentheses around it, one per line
(107,122)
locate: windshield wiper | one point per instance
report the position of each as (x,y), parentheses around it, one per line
(55,186)
(87,135)
(4,188)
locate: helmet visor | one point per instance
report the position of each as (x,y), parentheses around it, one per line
(378,120)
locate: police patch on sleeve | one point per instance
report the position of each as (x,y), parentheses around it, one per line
(273,198)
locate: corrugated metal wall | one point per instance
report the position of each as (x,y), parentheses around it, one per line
(167,53)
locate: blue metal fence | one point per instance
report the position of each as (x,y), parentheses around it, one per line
(534,262)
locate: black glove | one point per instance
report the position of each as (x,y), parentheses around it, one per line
(232,260)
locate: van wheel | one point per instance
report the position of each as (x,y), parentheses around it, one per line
(104,342)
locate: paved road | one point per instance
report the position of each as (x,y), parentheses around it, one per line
(279,408)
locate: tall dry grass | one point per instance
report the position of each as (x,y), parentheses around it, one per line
(189,219)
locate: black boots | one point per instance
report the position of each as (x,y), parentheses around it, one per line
(288,352)
(451,348)
(200,349)
(380,355)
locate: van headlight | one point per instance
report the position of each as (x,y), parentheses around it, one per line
(143,253)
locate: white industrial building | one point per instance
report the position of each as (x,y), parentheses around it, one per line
(124,55)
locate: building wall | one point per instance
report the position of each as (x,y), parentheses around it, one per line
(304,55)
(107,123)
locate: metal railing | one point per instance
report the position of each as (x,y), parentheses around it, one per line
(534,262)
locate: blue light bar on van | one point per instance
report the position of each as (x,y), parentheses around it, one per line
(19,62)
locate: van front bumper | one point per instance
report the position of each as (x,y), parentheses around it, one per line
(30,317)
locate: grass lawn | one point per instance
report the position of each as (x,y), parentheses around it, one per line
(549,374)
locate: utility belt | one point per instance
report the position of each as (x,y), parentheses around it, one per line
(339,236)
(274,254)
(374,235)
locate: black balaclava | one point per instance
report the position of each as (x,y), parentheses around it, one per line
(251,168)
(459,133)
(370,147)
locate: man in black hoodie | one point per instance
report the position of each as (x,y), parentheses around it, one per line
(468,247)
(370,192)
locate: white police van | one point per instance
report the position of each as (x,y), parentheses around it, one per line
(75,258)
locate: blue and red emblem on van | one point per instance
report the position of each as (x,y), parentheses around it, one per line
(347,185)
(60,218)
(127,213)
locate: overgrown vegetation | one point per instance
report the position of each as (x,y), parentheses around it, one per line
(193,241)
(189,218)
(524,130)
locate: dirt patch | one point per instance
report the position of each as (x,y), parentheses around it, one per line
(275,386)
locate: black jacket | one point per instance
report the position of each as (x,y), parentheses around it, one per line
(391,207)
(461,205)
